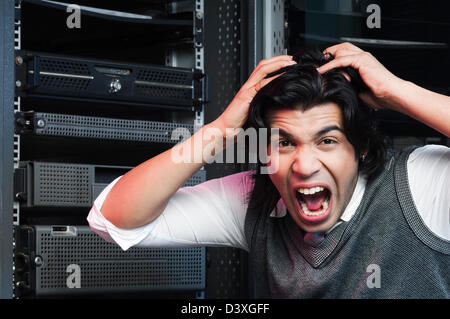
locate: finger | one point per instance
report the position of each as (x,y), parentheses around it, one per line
(341,53)
(342,46)
(262,63)
(341,62)
(275,59)
(258,86)
(265,81)
(278,59)
(261,72)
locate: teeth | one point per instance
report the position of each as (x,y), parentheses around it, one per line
(320,212)
(310,191)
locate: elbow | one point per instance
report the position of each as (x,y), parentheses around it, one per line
(126,218)
(112,215)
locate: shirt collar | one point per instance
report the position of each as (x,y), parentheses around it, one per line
(350,210)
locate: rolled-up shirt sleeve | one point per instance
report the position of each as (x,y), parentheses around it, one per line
(208,214)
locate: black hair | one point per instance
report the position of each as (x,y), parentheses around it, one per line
(302,87)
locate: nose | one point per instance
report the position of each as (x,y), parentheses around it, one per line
(306,163)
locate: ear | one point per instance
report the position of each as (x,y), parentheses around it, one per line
(363,155)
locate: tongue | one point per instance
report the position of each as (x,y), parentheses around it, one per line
(314,202)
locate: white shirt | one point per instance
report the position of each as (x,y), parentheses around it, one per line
(213,213)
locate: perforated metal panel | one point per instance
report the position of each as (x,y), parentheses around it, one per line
(223,63)
(171,92)
(60,82)
(149,83)
(106,267)
(62,66)
(228,53)
(109,128)
(226,276)
(197,178)
(165,77)
(274,42)
(62,184)
(61,74)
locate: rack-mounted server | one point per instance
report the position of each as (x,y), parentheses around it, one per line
(52,76)
(76,126)
(43,184)
(48,258)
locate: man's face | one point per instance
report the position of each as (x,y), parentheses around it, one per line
(317,169)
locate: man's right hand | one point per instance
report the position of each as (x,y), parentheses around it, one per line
(235,115)
(389,91)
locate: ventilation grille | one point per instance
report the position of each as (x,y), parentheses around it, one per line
(62,66)
(228,53)
(164,92)
(114,129)
(278,45)
(106,266)
(226,267)
(274,30)
(62,82)
(179,78)
(61,184)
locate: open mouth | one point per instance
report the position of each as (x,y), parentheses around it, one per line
(314,202)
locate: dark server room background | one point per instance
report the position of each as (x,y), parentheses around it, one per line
(89,103)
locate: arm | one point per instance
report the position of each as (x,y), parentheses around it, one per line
(428,107)
(142,194)
(389,91)
(208,214)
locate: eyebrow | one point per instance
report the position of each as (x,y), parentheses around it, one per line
(327,129)
(318,134)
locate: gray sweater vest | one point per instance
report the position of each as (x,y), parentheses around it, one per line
(384,251)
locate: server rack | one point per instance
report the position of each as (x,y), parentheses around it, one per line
(66,105)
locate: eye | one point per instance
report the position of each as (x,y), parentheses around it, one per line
(284,143)
(328,141)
